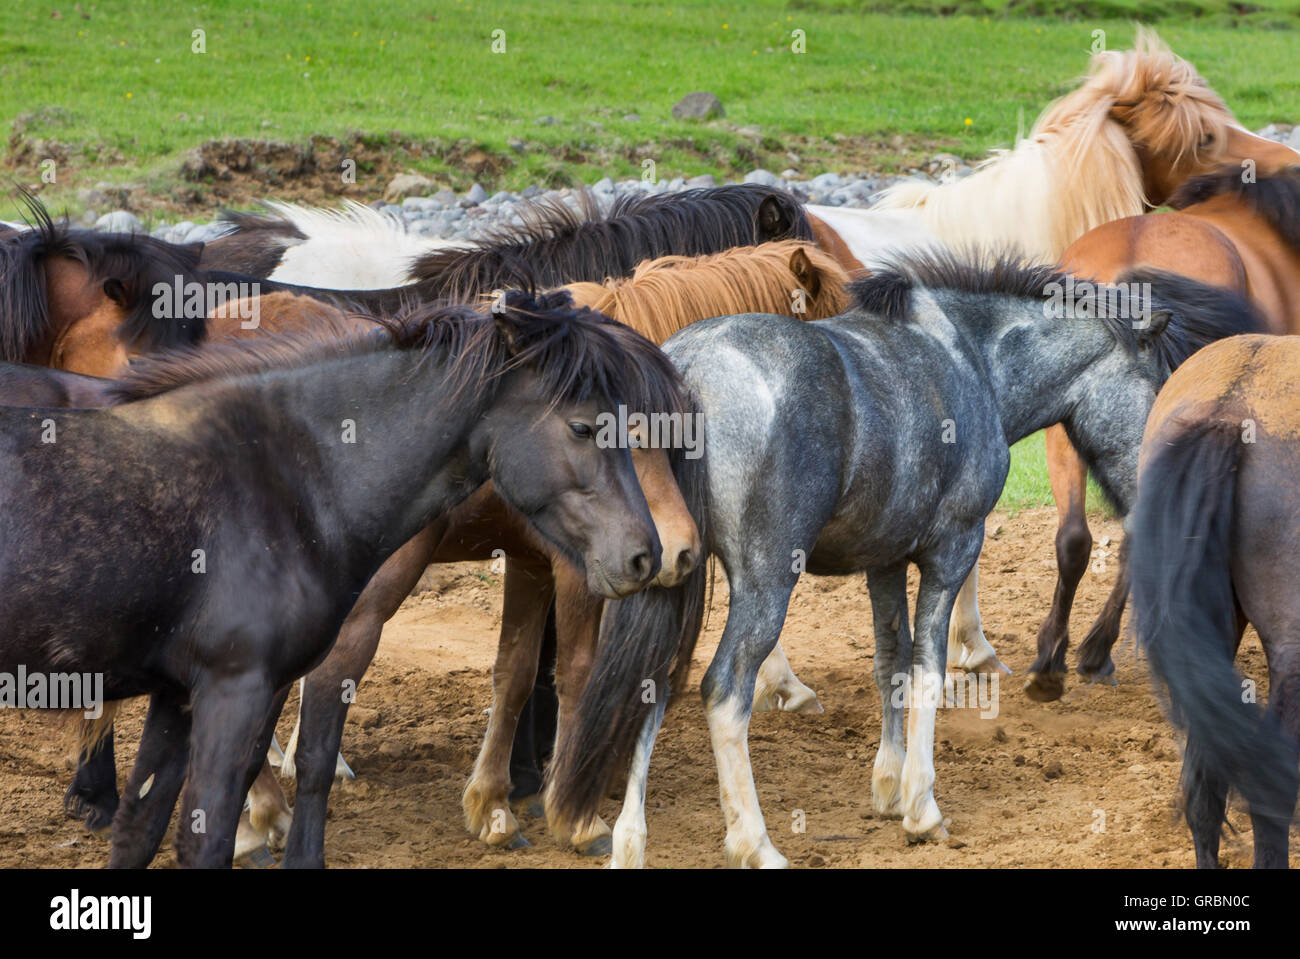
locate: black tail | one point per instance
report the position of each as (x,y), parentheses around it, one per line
(649,636)
(1185,608)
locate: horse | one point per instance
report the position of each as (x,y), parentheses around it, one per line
(556,244)
(40,386)
(517,397)
(1228,231)
(661,297)
(1143,122)
(1213,546)
(865,442)
(82,301)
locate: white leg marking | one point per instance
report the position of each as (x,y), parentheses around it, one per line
(777,687)
(747,845)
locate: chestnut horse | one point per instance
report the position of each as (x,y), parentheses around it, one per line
(1216,545)
(1231,231)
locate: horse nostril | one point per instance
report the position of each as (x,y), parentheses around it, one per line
(642,566)
(685,562)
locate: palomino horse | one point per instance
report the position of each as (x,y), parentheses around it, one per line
(517,398)
(660,298)
(555,245)
(81,301)
(1214,546)
(1235,232)
(1141,124)
(862,471)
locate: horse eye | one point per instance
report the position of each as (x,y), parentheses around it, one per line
(1207,140)
(581,430)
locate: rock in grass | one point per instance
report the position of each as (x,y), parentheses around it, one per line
(765,177)
(407,184)
(700,105)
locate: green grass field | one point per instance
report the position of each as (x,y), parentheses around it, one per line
(116,92)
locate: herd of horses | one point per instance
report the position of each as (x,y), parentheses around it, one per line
(204,510)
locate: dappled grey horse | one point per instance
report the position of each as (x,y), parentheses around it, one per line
(864,443)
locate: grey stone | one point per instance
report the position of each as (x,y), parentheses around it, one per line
(765,177)
(700,105)
(418,204)
(120,221)
(826,181)
(407,184)
(604,185)
(547,121)
(532,191)
(1293,141)
(516,145)
(445,197)
(476,195)
(632,118)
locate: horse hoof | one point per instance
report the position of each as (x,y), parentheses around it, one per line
(1045,687)
(990,665)
(259,858)
(1100,679)
(97,820)
(517,841)
(935,834)
(809,706)
(530,806)
(600,846)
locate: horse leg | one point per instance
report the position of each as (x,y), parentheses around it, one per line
(630,831)
(753,626)
(269,812)
(888,590)
(288,768)
(92,795)
(529,588)
(1069,478)
(1094,652)
(153,784)
(330,688)
(968,650)
(1272,829)
(941,579)
(535,734)
(232,719)
(778,687)
(577,629)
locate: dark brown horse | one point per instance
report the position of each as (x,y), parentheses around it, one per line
(1215,544)
(233,568)
(1234,232)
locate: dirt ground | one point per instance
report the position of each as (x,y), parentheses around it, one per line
(1089,781)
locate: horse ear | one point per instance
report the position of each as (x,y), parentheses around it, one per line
(115,290)
(773,223)
(804,271)
(1154,325)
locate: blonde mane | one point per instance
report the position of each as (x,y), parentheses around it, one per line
(666,294)
(1079,167)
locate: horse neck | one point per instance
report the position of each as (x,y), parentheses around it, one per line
(388,447)
(1033,387)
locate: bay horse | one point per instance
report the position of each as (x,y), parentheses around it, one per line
(556,244)
(82,300)
(661,297)
(852,468)
(1230,230)
(1214,546)
(289,534)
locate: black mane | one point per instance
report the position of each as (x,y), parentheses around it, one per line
(575,352)
(1275,197)
(1186,314)
(557,245)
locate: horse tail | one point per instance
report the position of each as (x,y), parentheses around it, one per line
(1185,609)
(645,650)
(91,732)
